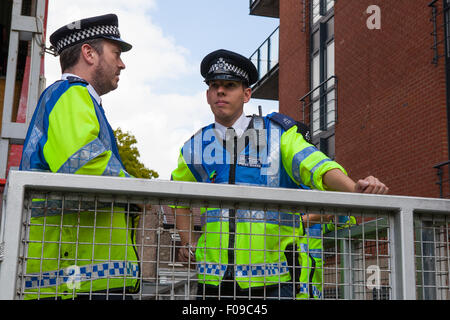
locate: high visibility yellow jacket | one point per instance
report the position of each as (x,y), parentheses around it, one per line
(71,251)
(311,256)
(272,152)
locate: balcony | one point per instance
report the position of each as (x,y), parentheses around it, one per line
(443,173)
(265,8)
(398,248)
(265,58)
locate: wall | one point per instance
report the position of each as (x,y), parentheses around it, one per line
(392,116)
(294,58)
(392,119)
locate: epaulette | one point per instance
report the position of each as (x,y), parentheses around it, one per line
(287,122)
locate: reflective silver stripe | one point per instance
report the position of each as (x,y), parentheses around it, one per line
(37,131)
(315,253)
(75,274)
(49,207)
(114,167)
(252,216)
(214,215)
(298,158)
(273,171)
(90,151)
(194,160)
(313,170)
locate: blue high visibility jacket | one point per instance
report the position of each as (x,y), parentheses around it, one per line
(74,249)
(69,133)
(272,152)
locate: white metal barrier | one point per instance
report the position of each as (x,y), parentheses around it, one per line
(398,249)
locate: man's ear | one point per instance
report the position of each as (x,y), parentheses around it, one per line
(207,96)
(247,94)
(88,54)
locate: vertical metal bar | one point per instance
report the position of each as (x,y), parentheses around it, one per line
(129,235)
(336,257)
(335,100)
(4,152)
(12,67)
(364,268)
(448,166)
(447,246)
(440,174)
(304,15)
(158,253)
(434,33)
(191,238)
(141,228)
(94,228)
(345,268)
(26,240)
(428,258)
(322,247)
(35,65)
(402,234)
(322,91)
(268,53)
(11,236)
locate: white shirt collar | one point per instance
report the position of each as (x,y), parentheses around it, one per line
(89,87)
(240,125)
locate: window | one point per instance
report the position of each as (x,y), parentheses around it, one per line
(320,8)
(326,145)
(447,25)
(323,97)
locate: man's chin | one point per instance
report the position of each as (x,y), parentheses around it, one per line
(114,86)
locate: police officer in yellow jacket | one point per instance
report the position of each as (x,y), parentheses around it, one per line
(69,133)
(242,250)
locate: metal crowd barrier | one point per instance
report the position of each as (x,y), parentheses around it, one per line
(399,247)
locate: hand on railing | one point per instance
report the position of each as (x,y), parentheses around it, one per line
(371,185)
(336,180)
(187,252)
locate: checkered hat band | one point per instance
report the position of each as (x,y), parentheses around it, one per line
(222,66)
(87,34)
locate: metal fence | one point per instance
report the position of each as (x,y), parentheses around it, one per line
(398,247)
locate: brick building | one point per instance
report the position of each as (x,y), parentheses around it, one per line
(370,79)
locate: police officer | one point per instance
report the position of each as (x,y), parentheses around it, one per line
(232,257)
(69,133)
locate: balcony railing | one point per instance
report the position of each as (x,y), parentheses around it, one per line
(266,58)
(443,179)
(321,103)
(398,248)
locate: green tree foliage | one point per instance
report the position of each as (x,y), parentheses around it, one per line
(126,143)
